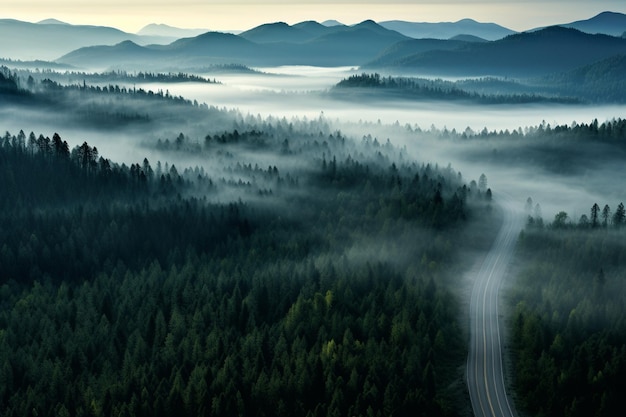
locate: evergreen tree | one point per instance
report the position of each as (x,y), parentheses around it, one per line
(619,217)
(595,211)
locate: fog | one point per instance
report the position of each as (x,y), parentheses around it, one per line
(279,92)
(300,94)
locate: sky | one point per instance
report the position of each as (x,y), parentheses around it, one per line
(132,15)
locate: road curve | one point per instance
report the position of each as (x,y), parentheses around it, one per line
(485,375)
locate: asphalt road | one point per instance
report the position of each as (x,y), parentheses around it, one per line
(485,376)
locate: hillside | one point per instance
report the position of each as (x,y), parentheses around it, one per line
(398,51)
(126,52)
(554,49)
(602,81)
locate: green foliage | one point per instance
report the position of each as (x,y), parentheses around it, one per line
(568,328)
(124,291)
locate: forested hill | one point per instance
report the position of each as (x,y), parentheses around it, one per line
(130,290)
(601,81)
(413,88)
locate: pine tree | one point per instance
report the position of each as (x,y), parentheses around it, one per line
(620,216)
(595,211)
(606,215)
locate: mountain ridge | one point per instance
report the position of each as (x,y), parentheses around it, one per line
(608,23)
(340,45)
(309,43)
(527,54)
(447,30)
(163,30)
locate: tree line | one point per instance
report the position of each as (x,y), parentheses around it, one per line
(437,89)
(598,218)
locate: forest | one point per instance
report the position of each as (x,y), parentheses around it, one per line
(413,88)
(600,82)
(142,289)
(567,321)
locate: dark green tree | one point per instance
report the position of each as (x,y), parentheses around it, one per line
(606,215)
(595,212)
(619,217)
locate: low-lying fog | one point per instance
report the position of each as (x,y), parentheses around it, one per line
(298,92)
(281,92)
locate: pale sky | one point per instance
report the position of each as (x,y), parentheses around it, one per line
(132,15)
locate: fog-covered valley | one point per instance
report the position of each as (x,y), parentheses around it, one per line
(567,179)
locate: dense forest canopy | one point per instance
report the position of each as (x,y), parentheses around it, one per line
(139,290)
(567,326)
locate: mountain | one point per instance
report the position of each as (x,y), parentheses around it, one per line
(207,49)
(211,48)
(318,29)
(528,54)
(447,30)
(166,31)
(103,56)
(332,23)
(602,81)
(48,40)
(277,32)
(266,45)
(308,31)
(608,23)
(347,45)
(399,51)
(51,22)
(468,38)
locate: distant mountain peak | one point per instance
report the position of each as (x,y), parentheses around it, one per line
(368,22)
(332,23)
(467,20)
(153,26)
(608,23)
(161,29)
(467,38)
(607,17)
(371,25)
(52,22)
(607,13)
(308,22)
(128,44)
(272,24)
(275,32)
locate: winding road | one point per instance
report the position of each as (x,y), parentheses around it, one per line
(485,375)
